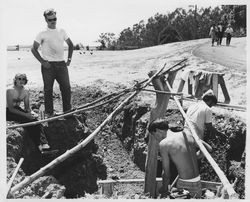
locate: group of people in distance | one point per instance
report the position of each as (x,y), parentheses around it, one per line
(217,32)
(53,67)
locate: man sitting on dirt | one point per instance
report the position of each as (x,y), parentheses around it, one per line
(181,147)
(15,96)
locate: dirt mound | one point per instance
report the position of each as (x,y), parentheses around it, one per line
(77,175)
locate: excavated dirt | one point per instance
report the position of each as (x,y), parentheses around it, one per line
(78,174)
(118,152)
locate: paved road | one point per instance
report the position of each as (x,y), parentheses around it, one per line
(233,56)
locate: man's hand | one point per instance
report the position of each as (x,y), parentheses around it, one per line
(29,116)
(68,62)
(46,64)
(34,114)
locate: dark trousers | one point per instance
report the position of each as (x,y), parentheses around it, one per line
(229,36)
(220,37)
(59,72)
(35,132)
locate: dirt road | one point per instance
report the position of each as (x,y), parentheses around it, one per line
(233,56)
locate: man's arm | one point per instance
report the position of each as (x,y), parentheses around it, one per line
(210,129)
(70,50)
(199,153)
(11,106)
(166,168)
(37,55)
(27,102)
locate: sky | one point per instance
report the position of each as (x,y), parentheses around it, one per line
(83,20)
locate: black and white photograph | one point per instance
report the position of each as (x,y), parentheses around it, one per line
(123,99)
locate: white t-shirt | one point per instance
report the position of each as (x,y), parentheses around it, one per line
(51,41)
(220,28)
(199,114)
(229,30)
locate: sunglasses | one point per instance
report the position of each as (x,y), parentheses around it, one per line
(53,19)
(21,79)
(49,12)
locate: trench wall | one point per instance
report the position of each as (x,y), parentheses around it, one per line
(228,142)
(77,175)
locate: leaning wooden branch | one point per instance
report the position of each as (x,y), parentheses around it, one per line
(232,194)
(75,149)
(14,175)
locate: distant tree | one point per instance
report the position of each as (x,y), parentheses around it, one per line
(126,37)
(240,15)
(168,35)
(107,40)
(103,44)
(77,47)
(182,25)
(132,37)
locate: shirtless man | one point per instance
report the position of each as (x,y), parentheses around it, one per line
(181,148)
(15,96)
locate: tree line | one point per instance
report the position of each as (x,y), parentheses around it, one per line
(179,25)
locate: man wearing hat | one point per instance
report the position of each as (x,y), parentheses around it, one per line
(52,61)
(181,147)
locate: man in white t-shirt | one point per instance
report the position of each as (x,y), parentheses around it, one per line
(54,67)
(229,32)
(200,114)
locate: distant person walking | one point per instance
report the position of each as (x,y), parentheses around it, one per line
(217,34)
(220,33)
(52,61)
(212,34)
(229,33)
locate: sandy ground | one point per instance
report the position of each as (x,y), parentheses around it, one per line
(109,68)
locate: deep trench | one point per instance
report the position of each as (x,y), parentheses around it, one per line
(79,173)
(228,143)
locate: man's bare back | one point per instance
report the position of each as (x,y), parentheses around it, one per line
(182,153)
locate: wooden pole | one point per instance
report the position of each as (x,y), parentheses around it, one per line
(223,105)
(224,89)
(158,111)
(215,84)
(78,147)
(14,175)
(232,194)
(162,92)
